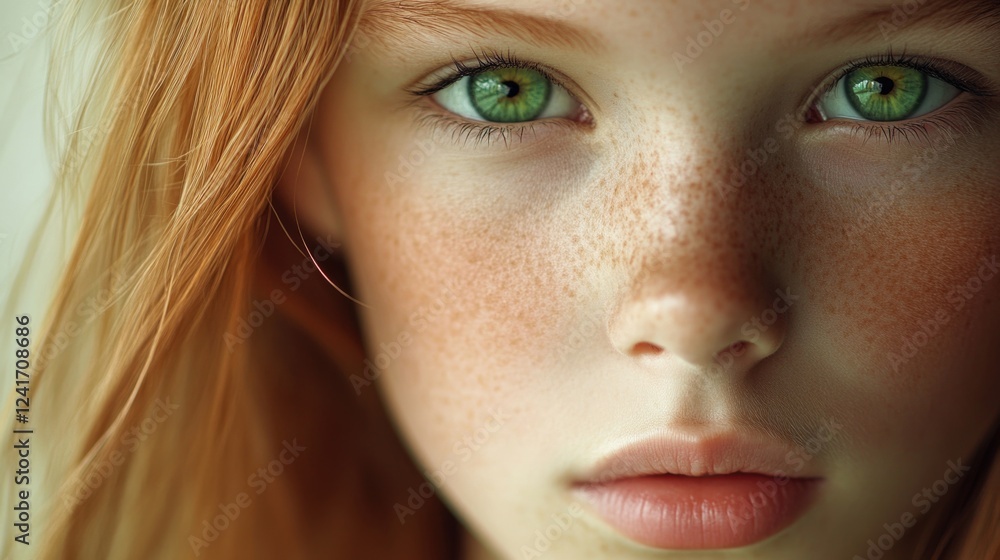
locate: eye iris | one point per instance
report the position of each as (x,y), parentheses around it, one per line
(886,93)
(509,94)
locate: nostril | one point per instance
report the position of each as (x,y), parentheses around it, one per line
(646,349)
(731,353)
(737,348)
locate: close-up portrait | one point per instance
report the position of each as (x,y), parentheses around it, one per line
(500,280)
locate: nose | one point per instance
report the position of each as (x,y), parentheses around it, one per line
(701,322)
(702,296)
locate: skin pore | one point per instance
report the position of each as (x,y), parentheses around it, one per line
(557,289)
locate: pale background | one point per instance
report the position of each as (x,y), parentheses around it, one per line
(25,171)
(25,177)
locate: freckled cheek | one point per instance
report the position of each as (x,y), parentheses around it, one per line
(479,290)
(506,290)
(915,303)
(464,281)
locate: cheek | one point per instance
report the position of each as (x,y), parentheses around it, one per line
(913,309)
(468,288)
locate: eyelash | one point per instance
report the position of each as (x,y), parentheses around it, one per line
(961,77)
(483,131)
(951,120)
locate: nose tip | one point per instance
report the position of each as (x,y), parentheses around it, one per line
(705,328)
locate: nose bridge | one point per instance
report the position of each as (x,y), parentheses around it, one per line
(689,209)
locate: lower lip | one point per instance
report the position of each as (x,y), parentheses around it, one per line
(706,512)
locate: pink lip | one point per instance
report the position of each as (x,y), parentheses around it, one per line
(682,492)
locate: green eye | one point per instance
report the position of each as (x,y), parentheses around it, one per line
(509,94)
(886,93)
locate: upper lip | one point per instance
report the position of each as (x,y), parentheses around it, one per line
(717,453)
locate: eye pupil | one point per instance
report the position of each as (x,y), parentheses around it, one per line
(511,88)
(885,85)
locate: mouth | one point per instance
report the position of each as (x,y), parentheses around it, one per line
(687,493)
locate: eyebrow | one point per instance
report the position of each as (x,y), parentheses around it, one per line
(385,19)
(884,22)
(388,21)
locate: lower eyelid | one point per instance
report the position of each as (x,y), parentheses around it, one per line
(966,115)
(462,132)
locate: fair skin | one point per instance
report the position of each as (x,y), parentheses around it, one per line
(577,287)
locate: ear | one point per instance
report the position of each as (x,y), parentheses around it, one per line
(305,190)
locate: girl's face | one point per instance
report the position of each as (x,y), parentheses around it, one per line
(712,238)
